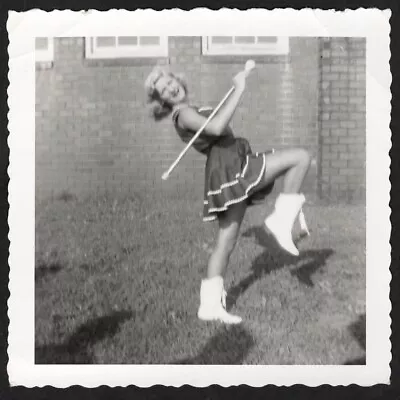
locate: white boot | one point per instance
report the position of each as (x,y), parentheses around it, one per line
(212,302)
(280,222)
(303,223)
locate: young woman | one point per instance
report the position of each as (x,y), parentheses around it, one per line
(234,177)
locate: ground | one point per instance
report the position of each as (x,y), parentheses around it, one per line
(117,281)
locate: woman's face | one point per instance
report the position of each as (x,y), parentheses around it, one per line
(170,90)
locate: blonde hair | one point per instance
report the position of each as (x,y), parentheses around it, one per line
(158,108)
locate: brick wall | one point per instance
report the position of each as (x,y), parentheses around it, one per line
(342,115)
(93,132)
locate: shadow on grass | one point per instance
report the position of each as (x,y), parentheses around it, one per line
(66,196)
(357,329)
(43,270)
(76,349)
(308,262)
(228,347)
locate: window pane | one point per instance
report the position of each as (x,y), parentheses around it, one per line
(221,39)
(149,40)
(245,39)
(105,41)
(127,40)
(267,39)
(41,43)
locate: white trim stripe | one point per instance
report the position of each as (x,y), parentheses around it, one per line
(228,184)
(238,200)
(205,109)
(245,167)
(210,218)
(225,185)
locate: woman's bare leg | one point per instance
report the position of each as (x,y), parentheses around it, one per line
(293,165)
(212,293)
(229,226)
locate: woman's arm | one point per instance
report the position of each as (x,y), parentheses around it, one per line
(190,119)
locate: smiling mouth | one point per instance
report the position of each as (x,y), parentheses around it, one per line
(175,93)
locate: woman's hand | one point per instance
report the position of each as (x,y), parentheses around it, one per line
(239,80)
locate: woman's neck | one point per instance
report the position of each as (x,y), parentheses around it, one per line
(181,105)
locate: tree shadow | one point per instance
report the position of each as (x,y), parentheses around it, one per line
(77,348)
(43,270)
(228,347)
(306,264)
(358,331)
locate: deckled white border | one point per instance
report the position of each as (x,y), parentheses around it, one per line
(22,29)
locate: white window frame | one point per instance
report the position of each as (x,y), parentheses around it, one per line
(94,52)
(281,47)
(46,55)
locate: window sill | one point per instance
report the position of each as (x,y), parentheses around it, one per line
(43,65)
(125,62)
(242,58)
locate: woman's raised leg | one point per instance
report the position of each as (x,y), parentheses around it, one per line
(293,165)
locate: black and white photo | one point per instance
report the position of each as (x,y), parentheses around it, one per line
(202,202)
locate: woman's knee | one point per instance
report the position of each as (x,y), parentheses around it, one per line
(304,157)
(229,226)
(227,242)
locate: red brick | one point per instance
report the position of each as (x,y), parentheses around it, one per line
(357,147)
(329,171)
(352,140)
(349,171)
(326,69)
(330,124)
(339,164)
(338,179)
(356,164)
(357,100)
(338,148)
(339,99)
(325,163)
(357,116)
(340,132)
(347,124)
(330,140)
(341,83)
(331,76)
(331,156)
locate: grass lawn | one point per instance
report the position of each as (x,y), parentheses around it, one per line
(118,277)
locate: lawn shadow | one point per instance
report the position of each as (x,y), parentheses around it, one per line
(66,196)
(357,330)
(228,347)
(43,270)
(77,348)
(306,264)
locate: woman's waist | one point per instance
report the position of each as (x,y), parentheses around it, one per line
(231,143)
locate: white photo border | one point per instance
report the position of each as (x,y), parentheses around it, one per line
(24,27)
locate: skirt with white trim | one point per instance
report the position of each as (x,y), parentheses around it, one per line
(233,173)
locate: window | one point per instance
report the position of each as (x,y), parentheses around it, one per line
(44,49)
(126,46)
(238,45)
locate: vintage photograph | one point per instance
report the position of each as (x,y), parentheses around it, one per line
(200,200)
(133,267)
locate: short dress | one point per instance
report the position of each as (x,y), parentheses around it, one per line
(232,170)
